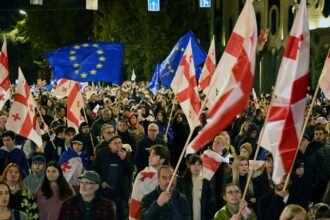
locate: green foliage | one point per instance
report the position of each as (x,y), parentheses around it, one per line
(318,65)
(149,36)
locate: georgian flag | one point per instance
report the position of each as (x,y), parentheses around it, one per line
(282,128)
(22,117)
(4,76)
(211,162)
(145,182)
(232,81)
(74,106)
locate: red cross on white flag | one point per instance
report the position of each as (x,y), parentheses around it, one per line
(184,86)
(232,81)
(63,87)
(75,104)
(282,129)
(22,118)
(4,76)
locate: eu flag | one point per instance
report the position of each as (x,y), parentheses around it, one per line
(153,86)
(88,62)
(170,64)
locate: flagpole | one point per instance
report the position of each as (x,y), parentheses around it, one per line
(85,116)
(169,120)
(42,118)
(302,133)
(185,146)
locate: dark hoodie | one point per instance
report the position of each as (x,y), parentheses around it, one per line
(248,139)
(87,139)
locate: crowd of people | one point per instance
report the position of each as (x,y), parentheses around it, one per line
(120,163)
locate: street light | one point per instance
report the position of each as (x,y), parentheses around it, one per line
(22,12)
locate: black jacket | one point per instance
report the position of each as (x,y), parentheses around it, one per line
(150,210)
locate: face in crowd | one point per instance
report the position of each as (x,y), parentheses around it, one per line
(153,131)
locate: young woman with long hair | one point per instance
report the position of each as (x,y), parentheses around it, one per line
(52,192)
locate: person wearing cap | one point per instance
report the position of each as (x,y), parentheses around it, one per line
(88,204)
(35,179)
(115,167)
(74,161)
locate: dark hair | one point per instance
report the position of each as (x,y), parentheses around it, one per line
(269,156)
(4,183)
(63,185)
(69,130)
(322,211)
(8,134)
(59,129)
(320,128)
(59,108)
(187,177)
(228,185)
(162,152)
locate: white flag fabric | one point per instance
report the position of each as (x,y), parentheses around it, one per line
(75,104)
(145,182)
(324,80)
(211,162)
(208,69)
(282,129)
(72,169)
(4,76)
(22,117)
(255,98)
(232,81)
(184,86)
(133,77)
(63,87)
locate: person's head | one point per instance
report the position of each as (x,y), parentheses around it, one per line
(194,165)
(304,142)
(89,183)
(161,116)
(321,211)
(153,131)
(133,119)
(107,132)
(294,212)
(59,130)
(319,134)
(4,194)
(69,133)
(260,113)
(241,165)
(252,131)
(232,194)
(106,114)
(8,139)
(84,128)
(158,155)
(244,128)
(54,174)
(13,174)
(115,143)
(321,121)
(269,163)
(245,150)
(122,125)
(165,174)
(226,136)
(219,144)
(38,163)
(115,111)
(77,143)
(60,111)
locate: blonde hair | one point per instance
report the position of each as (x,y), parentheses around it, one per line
(242,132)
(291,211)
(226,136)
(235,173)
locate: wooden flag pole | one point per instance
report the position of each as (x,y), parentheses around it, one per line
(169,120)
(85,116)
(42,118)
(302,133)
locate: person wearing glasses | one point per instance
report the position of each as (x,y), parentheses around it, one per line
(88,204)
(142,151)
(235,208)
(52,192)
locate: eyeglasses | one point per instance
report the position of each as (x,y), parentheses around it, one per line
(234,192)
(86,183)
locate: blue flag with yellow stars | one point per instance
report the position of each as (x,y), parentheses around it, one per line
(153,85)
(170,64)
(88,62)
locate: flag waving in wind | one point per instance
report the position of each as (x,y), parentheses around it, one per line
(22,117)
(325,77)
(208,69)
(232,81)
(154,83)
(169,66)
(75,104)
(282,129)
(184,86)
(4,76)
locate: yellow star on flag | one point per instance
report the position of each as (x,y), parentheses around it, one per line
(85,45)
(72,58)
(102,58)
(76,65)
(99,65)
(99,51)
(76,47)
(83,75)
(93,72)
(72,52)
(95,45)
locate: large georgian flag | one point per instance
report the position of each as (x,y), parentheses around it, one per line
(208,69)
(232,80)
(75,104)
(324,80)
(145,182)
(4,76)
(22,116)
(282,129)
(184,86)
